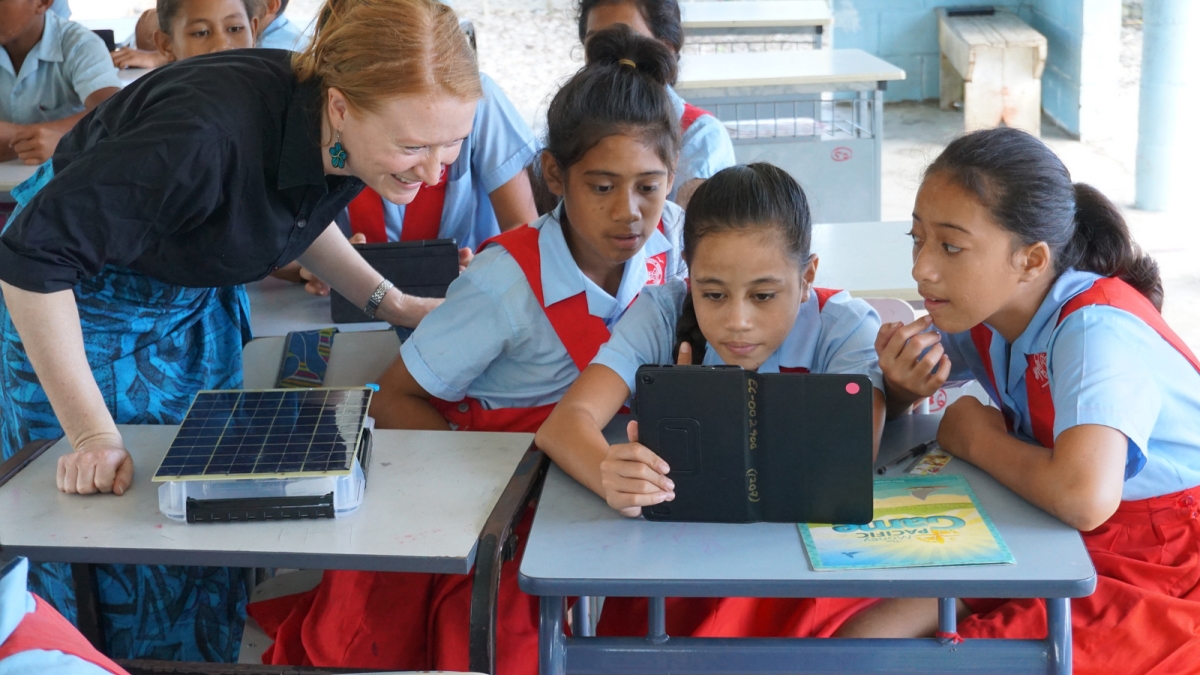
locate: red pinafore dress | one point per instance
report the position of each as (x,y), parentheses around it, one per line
(422,216)
(1144,617)
(45,629)
(737,617)
(413,621)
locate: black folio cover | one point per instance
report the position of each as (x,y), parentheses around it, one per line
(421,268)
(745,447)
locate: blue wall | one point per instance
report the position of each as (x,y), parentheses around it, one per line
(1082,49)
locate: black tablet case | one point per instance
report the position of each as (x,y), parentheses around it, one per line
(421,268)
(745,447)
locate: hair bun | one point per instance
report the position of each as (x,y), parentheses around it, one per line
(618,46)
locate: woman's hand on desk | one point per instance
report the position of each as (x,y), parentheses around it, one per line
(633,477)
(99,464)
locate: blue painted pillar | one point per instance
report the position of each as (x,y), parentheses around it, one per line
(1168,125)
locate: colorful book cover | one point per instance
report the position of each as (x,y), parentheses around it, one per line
(920,521)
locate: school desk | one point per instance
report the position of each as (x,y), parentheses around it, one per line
(355,359)
(757,17)
(435,502)
(817,113)
(278,307)
(871,260)
(581,547)
(129,75)
(13,173)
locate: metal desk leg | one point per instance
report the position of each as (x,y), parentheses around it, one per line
(657,608)
(1058,620)
(581,617)
(947,617)
(818,33)
(87,605)
(551,639)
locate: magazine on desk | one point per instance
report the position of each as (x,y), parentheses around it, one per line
(919,521)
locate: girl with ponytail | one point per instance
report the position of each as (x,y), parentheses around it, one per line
(751,303)
(1036,289)
(513,334)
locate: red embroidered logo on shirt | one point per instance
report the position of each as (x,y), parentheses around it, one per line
(656,270)
(1037,366)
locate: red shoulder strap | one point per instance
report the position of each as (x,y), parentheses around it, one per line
(1108,291)
(366,216)
(581,333)
(423,215)
(823,296)
(690,114)
(46,629)
(981,337)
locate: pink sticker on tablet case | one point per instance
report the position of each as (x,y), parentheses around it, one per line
(852,388)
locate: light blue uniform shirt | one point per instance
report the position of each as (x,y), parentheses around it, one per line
(61,8)
(1105,367)
(66,66)
(15,603)
(499,147)
(283,34)
(838,339)
(706,148)
(491,341)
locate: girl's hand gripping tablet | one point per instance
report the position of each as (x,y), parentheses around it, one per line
(633,477)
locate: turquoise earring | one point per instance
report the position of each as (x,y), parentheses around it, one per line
(337,154)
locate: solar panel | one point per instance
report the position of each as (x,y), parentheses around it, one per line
(272,433)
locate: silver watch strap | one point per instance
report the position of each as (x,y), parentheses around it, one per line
(377,297)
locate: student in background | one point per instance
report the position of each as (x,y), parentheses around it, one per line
(277,31)
(36,639)
(52,72)
(707,147)
(750,303)
(514,332)
(140,51)
(1036,289)
(188,28)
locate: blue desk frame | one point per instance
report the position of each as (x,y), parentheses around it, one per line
(546,573)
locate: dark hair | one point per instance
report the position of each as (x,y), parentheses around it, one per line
(168,11)
(609,96)
(743,197)
(662,16)
(1029,192)
(282,7)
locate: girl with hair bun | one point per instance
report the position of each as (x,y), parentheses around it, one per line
(120,269)
(706,147)
(1036,289)
(750,303)
(515,331)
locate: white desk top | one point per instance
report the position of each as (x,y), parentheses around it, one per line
(428,496)
(279,307)
(756,14)
(871,260)
(761,69)
(128,75)
(13,173)
(356,359)
(580,546)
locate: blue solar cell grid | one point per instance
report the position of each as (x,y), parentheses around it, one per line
(242,434)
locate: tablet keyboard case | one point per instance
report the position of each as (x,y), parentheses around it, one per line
(421,268)
(744,447)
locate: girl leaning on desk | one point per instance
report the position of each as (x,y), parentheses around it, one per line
(120,269)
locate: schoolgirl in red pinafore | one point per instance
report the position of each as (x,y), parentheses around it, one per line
(515,331)
(34,638)
(1098,352)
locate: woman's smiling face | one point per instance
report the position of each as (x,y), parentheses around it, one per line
(747,290)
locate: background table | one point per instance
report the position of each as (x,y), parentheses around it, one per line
(581,547)
(278,307)
(13,173)
(355,360)
(757,17)
(817,114)
(871,260)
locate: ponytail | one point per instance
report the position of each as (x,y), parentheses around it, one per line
(1102,244)
(1028,191)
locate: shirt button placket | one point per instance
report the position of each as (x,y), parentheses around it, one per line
(301,223)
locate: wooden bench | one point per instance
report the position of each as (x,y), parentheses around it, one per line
(992,64)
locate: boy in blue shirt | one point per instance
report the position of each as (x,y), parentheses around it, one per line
(52,72)
(278,32)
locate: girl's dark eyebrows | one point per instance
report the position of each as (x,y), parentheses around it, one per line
(952,226)
(766,280)
(707,280)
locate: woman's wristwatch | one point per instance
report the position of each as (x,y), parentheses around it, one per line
(376,298)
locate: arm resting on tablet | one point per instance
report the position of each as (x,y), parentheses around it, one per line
(48,324)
